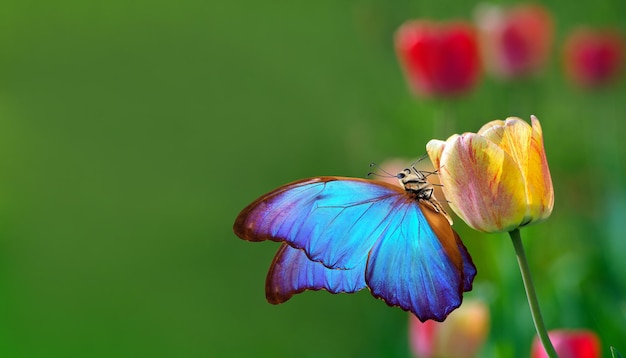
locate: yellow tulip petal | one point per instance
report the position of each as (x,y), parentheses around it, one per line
(484,128)
(514,138)
(525,144)
(483,183)
(434,148)
(536,126)
(538,180)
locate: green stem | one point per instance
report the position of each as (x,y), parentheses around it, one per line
(530,294)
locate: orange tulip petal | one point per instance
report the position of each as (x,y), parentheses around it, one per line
(483,183)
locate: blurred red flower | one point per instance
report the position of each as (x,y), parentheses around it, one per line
(515,42)
(569,344)
(593,58)
(438,59)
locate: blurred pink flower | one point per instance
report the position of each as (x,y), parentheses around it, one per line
(593,58)
(570,344)
(515,41)
(461,335)
(438,59)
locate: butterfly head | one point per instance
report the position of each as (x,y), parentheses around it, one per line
(414,181)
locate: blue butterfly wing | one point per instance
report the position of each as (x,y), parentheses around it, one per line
(335,220)
(418,265)
(340,232)
(293,272)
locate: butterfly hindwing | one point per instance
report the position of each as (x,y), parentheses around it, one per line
(293,272)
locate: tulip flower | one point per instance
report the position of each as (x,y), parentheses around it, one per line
(515,42)
(497,179)
(461,335)
(570,344)
(438,59)
(593,59)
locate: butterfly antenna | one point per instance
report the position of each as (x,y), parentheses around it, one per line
(419,160)
(428,173)
(424,173)
(387,174)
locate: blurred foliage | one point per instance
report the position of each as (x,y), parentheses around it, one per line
(132,133)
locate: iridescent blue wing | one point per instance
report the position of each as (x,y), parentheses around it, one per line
(293,272)
(413,257)
(421,266)
(336,221)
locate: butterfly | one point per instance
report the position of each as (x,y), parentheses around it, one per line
(344,234)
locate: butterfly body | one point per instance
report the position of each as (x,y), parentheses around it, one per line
(344,234)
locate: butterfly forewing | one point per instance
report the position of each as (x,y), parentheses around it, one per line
(334,220)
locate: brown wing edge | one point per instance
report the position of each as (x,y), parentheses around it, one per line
(447,236)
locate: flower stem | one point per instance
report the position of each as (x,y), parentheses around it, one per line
(531,295)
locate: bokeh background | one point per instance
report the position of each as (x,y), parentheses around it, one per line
(133,132)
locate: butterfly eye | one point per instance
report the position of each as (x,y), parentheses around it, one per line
(401,175)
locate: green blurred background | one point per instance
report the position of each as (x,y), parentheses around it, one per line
(133,132)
